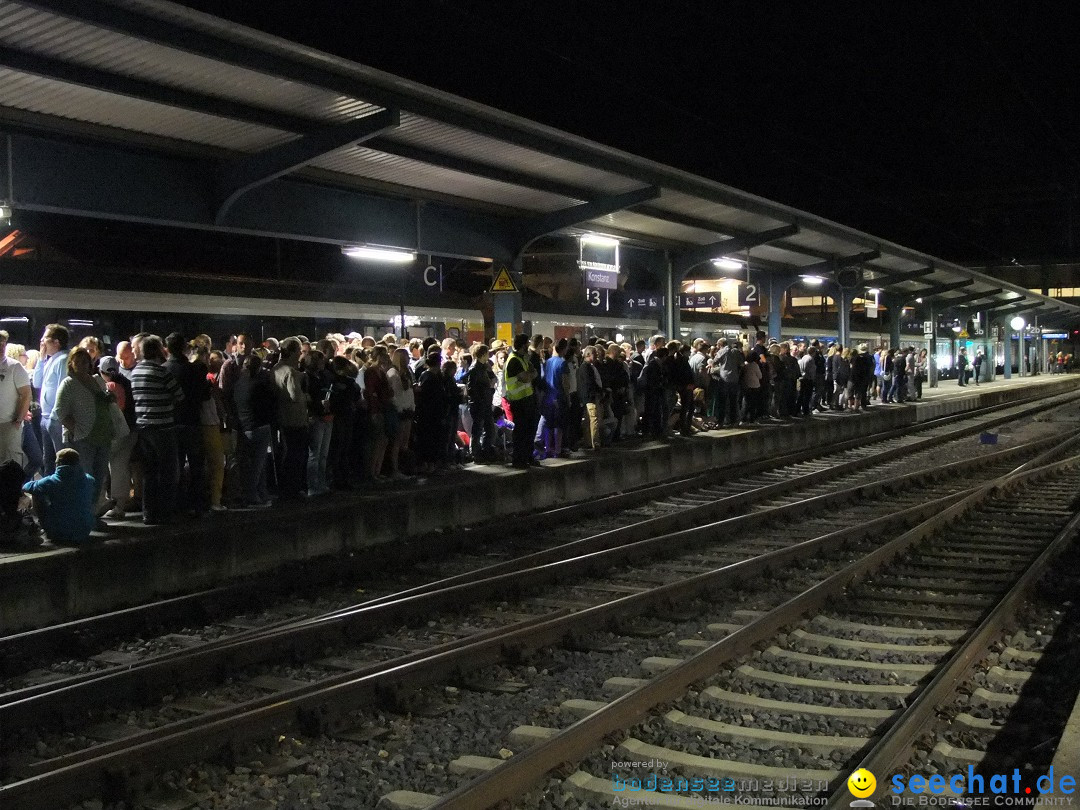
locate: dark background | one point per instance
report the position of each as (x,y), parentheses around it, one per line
(948,129)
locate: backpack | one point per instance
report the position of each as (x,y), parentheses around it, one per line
(103,431)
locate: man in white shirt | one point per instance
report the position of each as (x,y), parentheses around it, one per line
(49,372)
(14,403)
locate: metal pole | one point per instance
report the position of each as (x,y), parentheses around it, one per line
(931,355)
(671,299)
(1036,347)
(403,332)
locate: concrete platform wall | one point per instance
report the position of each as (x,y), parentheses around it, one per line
(57,585)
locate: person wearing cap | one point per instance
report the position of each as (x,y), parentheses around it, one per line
(63,501)
(862,376)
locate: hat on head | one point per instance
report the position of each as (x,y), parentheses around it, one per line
(353,336)
(108,365)
(863,348)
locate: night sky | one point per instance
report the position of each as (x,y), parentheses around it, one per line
(951,128)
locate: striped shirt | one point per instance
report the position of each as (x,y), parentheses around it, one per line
(156,393)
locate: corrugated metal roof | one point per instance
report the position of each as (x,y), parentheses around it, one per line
(420,131)
(724,215)
(46,96)
(538,168)
(371,164)
(650,226)
(46,34)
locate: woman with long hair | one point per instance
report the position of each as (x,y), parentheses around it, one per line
(404,398)
(82,407)
(381,413)
(320,420)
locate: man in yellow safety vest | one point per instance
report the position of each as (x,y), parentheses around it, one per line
(519,376)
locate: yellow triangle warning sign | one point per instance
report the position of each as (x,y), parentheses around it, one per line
(503,282)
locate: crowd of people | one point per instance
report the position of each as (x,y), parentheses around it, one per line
(178,426)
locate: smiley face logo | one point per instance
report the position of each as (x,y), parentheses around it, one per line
(861,783)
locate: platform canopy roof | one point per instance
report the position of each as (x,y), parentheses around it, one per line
(148,111)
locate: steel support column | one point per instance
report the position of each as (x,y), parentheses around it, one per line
(1008,350)
(895,303)
(1036,348)
(670,323)
(844,299)
(778,287)
(988,354)
(931,354)
(507,305)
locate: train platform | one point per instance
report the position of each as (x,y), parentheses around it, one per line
(134,564)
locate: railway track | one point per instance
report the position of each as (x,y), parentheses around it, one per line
(843,675)
(124,637)
(186,727)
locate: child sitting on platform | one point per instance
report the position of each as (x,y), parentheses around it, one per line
(63,501)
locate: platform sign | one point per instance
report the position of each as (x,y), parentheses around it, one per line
(699,301)
(505,333)
(598,299)
(639,300)
(503,282)
(928,328)
(749,294)
(602,279)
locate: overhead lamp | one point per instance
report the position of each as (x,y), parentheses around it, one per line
(873,291)
(812,281)
(378,254)
(598,239)
(958,329)
(918,300)
(725,263)
(1017,323)
(5,210)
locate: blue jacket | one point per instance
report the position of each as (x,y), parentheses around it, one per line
(65,499)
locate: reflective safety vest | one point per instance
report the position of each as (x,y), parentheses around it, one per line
(514,388)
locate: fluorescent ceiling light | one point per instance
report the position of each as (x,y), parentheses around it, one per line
(14,319)
(812,281)
(379,254)
(728,264)
(598,239)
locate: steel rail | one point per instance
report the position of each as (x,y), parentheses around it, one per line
(321,706)
(519,774)
(68,697)
(897,744)
(60,636)
(71,634)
